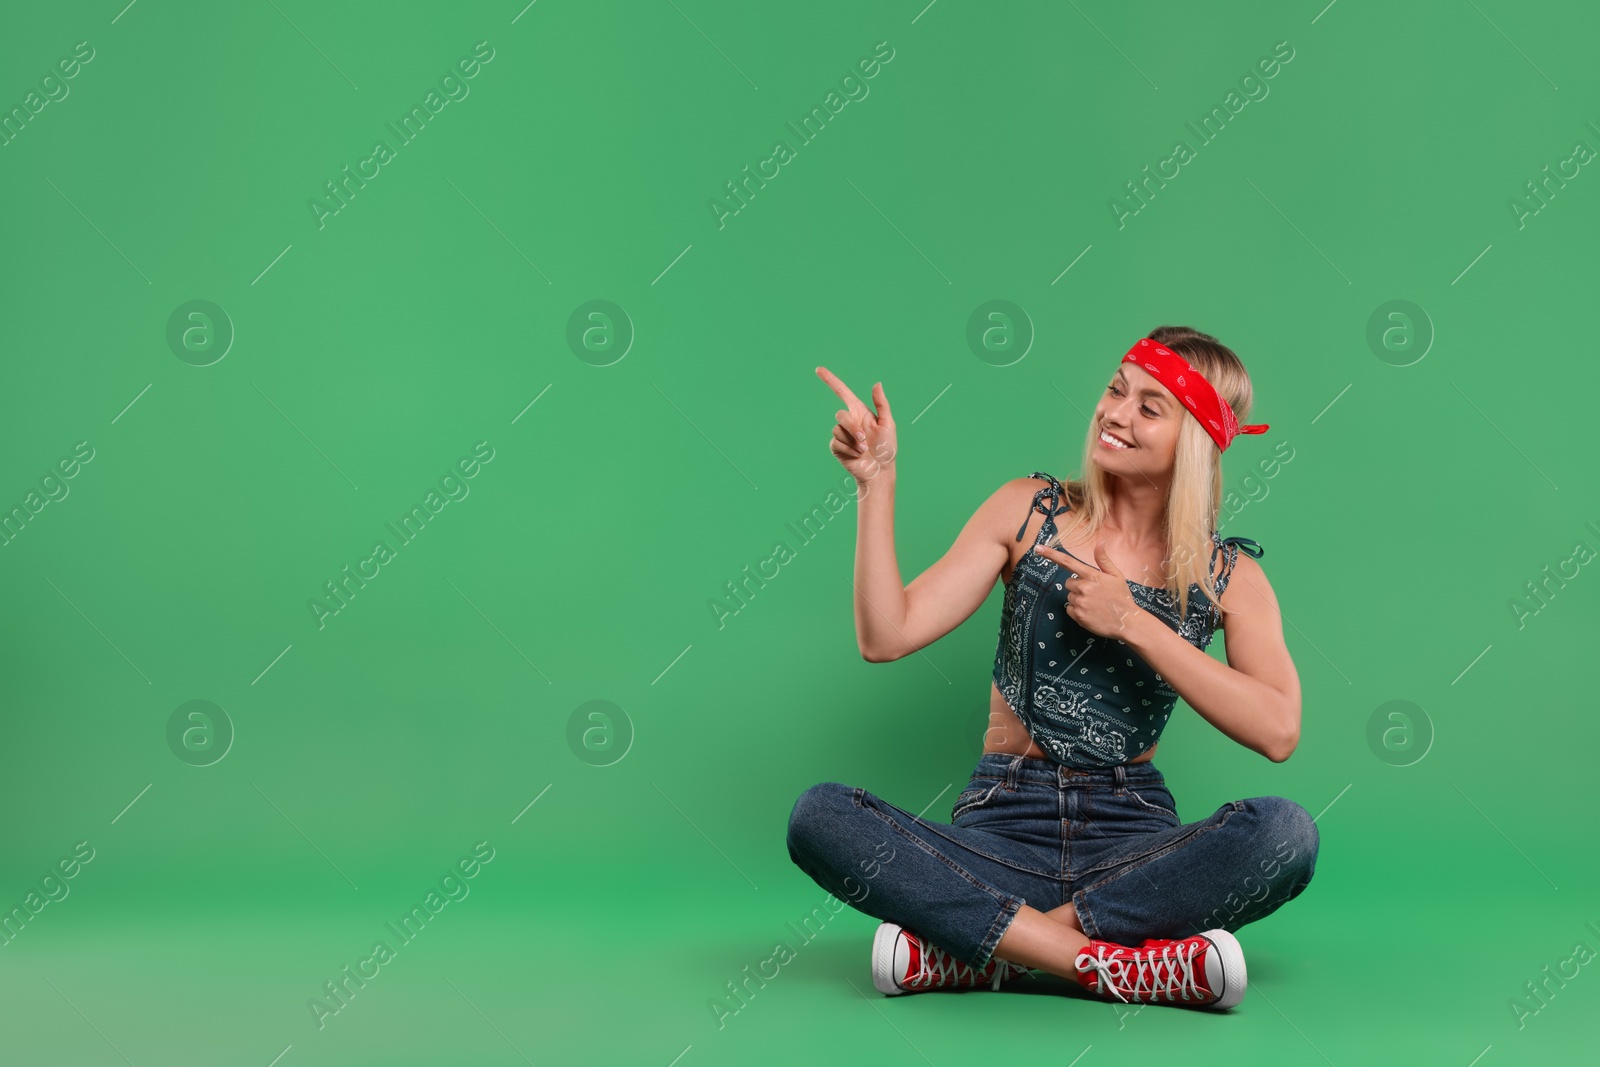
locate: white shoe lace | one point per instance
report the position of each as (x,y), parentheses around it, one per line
(934,961)
(1168,971)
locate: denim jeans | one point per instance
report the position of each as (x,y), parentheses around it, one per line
(1031,831)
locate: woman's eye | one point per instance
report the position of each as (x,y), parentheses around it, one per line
(1114,391)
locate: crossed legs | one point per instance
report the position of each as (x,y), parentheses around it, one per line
(1044,940)
(1234,867)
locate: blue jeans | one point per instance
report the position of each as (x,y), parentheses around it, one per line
(1031,831)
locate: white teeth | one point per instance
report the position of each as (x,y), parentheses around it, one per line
(1112,441)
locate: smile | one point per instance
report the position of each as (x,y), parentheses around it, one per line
(1115,442)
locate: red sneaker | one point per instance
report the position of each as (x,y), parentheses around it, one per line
(903,962)
(1206,970)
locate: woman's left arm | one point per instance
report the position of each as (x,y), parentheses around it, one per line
(1255,697)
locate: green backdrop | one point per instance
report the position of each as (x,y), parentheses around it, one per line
(245,346)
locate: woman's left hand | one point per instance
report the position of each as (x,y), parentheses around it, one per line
(1097,600)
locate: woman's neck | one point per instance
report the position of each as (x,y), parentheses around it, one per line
(1136,514)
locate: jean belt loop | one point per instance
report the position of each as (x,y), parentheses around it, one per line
(1013,770)
(1121,775)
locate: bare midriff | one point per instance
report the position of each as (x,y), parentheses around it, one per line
(1006,734)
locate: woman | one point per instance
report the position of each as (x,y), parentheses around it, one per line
(1065,852)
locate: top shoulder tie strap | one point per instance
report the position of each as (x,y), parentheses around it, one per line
(1247,546)
(1054,493)
(1235,546)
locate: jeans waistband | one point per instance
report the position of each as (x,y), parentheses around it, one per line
(1015,769)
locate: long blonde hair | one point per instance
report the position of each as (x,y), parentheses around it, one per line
(1194,497)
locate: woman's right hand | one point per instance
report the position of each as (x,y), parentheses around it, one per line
(863,441)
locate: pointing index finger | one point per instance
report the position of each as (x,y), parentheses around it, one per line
(1050,553)
(842,390)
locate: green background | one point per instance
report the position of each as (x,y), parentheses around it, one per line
(1431,480)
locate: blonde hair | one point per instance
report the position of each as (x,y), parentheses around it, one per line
(1194,497)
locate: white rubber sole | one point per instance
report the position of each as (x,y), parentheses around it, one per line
(883,943)
(1231,972)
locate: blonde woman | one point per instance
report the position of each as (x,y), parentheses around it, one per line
(1065,852)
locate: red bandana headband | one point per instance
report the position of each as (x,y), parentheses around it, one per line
(1191,387)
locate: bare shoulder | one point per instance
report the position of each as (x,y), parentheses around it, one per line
(992,527)
(1249,593)
(1018,493)
(1011,518)
(1013,503)
(1011,500)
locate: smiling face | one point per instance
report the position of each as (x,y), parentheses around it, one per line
(1142,417)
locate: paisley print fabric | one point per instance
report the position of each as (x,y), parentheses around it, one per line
(1090,701)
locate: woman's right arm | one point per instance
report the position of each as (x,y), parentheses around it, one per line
(893,620)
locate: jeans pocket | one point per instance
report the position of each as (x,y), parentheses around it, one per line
(979,791)
(1157,800)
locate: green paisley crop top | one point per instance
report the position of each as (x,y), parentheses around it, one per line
(1087,700)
